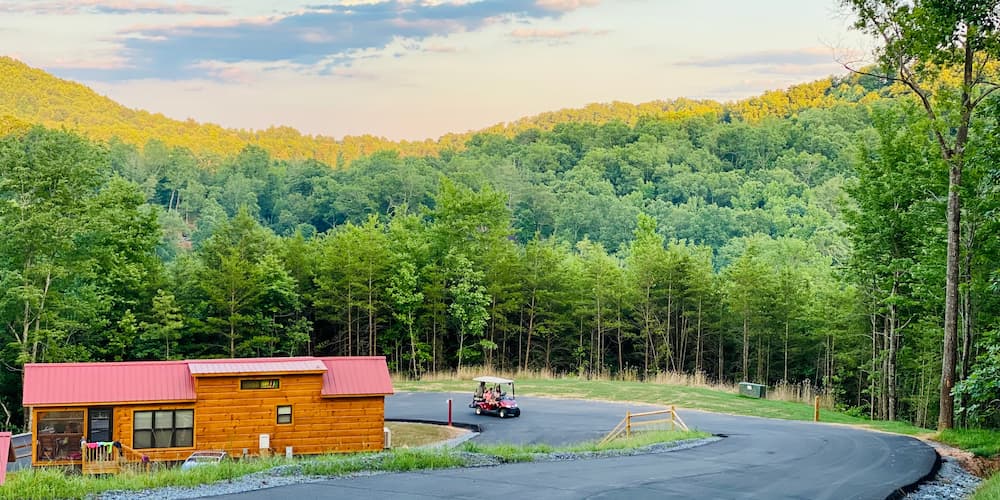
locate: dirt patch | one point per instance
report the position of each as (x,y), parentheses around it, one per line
(408,434)
(980,466)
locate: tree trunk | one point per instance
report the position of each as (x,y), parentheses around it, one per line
(699,345)
(966,307)
(785,376)
(892,334)
(350,320)
(232,325)
(721,364)
(947,406)
(621,360)
(371,318)
(746,344)
(461,346)
(531,329)
(413,347)
(871,393)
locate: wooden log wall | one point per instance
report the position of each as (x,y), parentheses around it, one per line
(231,419)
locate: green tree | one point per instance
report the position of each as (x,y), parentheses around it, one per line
(748,288)
(645,266)
(406,299)
(167,322)
(469,308)
(248,293)
(77,248)
(925,43)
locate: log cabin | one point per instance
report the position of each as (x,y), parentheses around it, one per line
(165,410)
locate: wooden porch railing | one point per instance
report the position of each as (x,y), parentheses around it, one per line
(106,458)
(627,423)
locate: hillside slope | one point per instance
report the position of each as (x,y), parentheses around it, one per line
(34,96)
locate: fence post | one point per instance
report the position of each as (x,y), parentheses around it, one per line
(816,409)
(673,415)
(628,424)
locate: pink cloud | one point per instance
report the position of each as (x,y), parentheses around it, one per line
(136,30)
(554,34)
(111,7)
(440,49)
(226,72)
(113,62)
(565,5)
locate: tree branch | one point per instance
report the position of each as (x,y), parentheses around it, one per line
(866,73)
(985,93)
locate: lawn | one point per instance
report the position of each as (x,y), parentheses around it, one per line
(981,442)
(696,398)
(990,490)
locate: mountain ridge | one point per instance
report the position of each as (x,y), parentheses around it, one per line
(33,96)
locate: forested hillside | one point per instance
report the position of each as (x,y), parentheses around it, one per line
(29,95)
(789,237)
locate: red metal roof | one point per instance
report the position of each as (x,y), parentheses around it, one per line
(260,365)
(77,383)
(356,376)
(48,384)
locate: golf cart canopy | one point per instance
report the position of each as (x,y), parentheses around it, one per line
(493,380)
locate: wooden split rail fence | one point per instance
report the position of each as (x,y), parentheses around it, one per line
(630,421)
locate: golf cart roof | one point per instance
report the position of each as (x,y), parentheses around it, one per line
(493,380)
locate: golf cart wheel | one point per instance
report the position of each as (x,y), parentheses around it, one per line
(503,412)
(479,411)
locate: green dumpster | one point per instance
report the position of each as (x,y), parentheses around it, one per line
(753,390)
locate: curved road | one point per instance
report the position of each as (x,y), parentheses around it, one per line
(759,458)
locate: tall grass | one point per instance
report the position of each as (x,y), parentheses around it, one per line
(668,378)
(803,392)
(392,461)
(54,482)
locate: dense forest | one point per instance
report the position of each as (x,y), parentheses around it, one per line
(799,236)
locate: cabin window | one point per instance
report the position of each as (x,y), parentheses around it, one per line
(59,435)
(163,429)
(284,414)
(270,383)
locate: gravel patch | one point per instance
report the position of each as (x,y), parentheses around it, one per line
(291,474)
(952,482)
(265,479)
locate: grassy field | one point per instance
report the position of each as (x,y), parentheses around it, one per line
(697,398)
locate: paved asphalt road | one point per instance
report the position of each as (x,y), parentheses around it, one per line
(759,458)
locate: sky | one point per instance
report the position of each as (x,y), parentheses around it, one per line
(416,69)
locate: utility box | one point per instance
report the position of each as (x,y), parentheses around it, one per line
(750,390)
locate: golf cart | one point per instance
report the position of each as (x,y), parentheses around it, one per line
(495,396)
